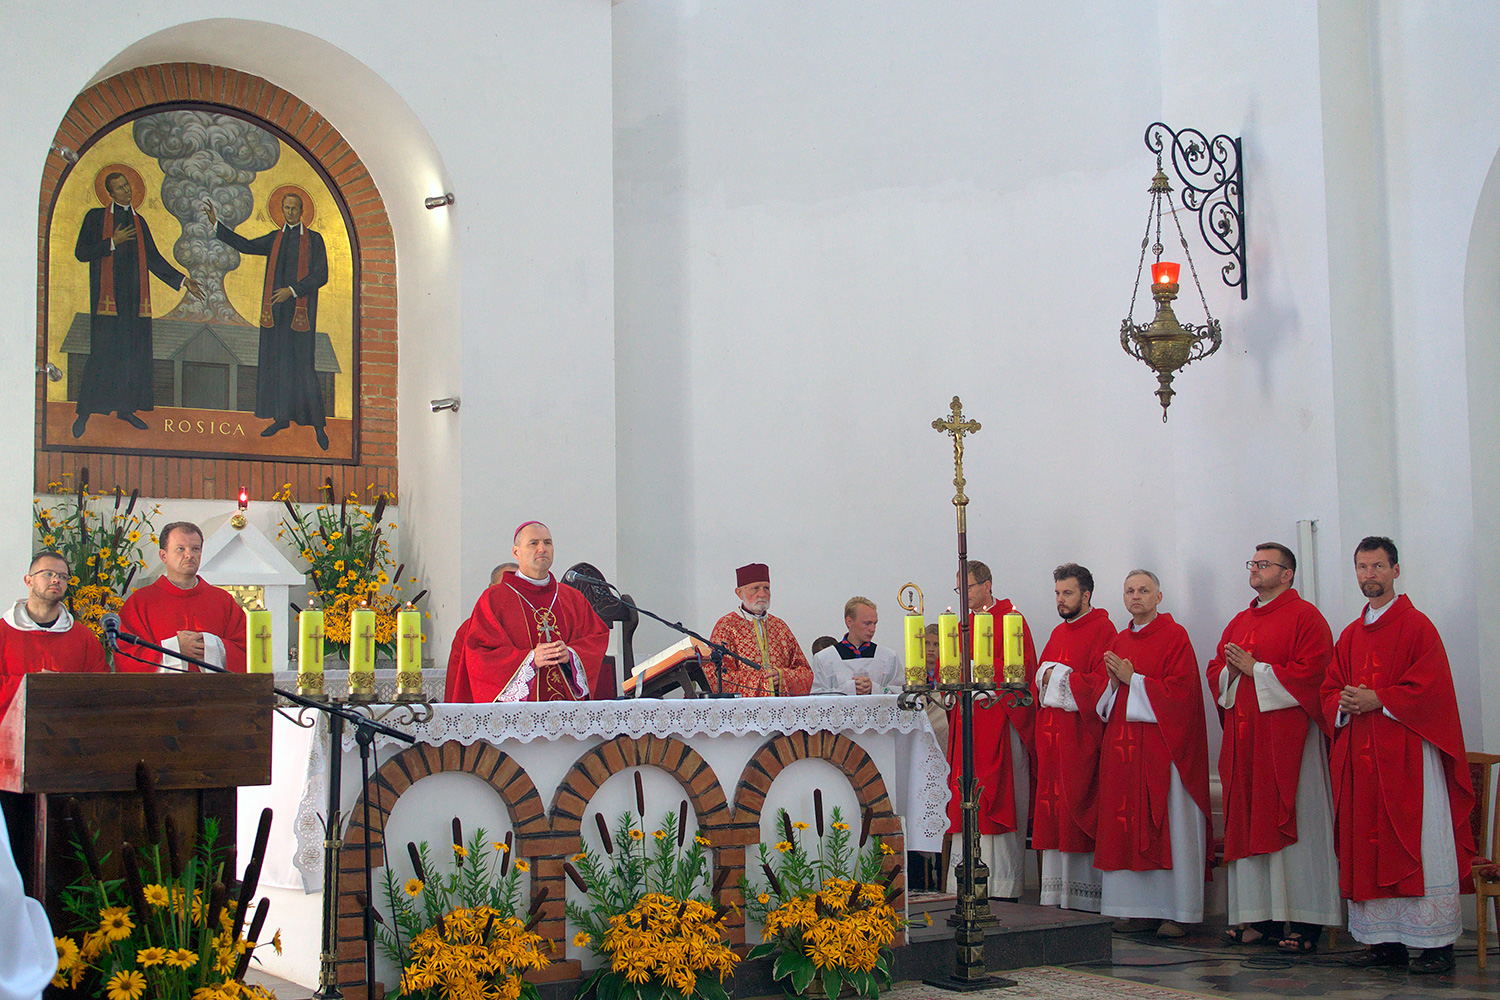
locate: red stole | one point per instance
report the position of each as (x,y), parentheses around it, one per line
(1260,761)
(1136,760)
(1376,763)
(106,304)
(993,774)
(299,314)
(1067,743)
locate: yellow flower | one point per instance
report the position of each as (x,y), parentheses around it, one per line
(67,953)
(151,956)
(841,826)
(660,835)
(339,565)
(104,553)
(182,958)
(335,537)
(276,941)
(783,846)
(127,985)
(115,923)
(522,866)
(580,856)
(499,845)
(581,939)
(799,826)
(763,899)
(413,887)
(701,841)
(49,540)
(134,537)
(460,850)
(886,848)
(636,835)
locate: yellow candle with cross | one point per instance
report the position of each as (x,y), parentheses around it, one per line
(984,648)
(361,640)
(409,653)
(1015,660)
(916,650)
(310,642)
(258,641)
(949,651)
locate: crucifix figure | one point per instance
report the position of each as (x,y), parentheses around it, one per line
(957,426)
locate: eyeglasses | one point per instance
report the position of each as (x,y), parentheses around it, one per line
(50,574)
(970,587)
(1262,564)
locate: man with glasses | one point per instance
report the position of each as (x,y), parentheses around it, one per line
(1002,766)
(1401,792)
(1278,813)
(38,634)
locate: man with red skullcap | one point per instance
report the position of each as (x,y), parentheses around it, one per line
(761,638)
(530,637)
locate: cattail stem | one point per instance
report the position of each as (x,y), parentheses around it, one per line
(252,873)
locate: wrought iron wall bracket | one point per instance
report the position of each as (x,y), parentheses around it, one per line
(1213,187)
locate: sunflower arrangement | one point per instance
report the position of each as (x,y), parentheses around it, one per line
(457,935)
(102,543)
(647,916)
(168,930)
(826,916)
(349,560)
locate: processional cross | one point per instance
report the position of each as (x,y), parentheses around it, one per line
(957,426)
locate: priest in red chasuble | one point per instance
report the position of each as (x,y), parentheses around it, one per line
(1153,771)
(751,631)
(530,637)
(38,634)
(182,612)
(1070,674)
(1002,764)
(1278,813)
(1401,792)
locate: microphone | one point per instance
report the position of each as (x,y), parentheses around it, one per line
(111,624)
(587,579)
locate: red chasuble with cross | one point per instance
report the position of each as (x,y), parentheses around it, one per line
(509,621)
(1376,763)
(993,773)
(25,648)
(159,611)
(1136,758)
(1260,760)
(1067,743)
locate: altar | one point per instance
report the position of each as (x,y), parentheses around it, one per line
(542,771)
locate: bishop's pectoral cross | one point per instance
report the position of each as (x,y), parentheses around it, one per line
(546,624)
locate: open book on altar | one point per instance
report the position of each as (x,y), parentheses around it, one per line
(675,666)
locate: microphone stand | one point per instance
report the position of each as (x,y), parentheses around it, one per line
(717,650)
(364,734)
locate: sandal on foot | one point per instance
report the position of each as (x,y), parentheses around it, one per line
(1241,935)
(1296,944)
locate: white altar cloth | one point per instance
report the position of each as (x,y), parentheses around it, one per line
(546,739)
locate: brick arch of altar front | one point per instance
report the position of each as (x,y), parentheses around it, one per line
(548,837)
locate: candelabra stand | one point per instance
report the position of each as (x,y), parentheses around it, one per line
(972,913)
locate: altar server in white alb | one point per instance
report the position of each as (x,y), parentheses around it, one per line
(28,958)
(855,665)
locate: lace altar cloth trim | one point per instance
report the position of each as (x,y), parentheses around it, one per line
(925,786)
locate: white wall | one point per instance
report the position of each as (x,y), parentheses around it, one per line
(861,209)
(504,299)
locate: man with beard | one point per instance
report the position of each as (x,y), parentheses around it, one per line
(531,637)
(38,633)
(1153,771)
(1071,673)
(1401,792)
(1002,766)
(760,637)
(117,245)
(1278,817)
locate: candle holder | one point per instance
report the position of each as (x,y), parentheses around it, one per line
(362,686)
(310,685)
(409,686)
(966,688)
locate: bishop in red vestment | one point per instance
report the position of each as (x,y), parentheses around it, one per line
(752,632)
(1002,758)
(530,637)
(38,634)
(1401,792)
(1278,815)
(182,612)
(1153,770)
(1070,674)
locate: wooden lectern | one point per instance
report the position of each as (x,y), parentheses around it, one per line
(80,736)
